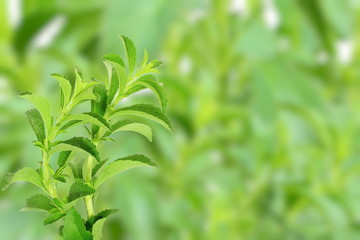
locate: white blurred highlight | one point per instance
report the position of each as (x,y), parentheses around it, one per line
(345,49)
(239,7)
(270,14)
(47,34)
(14,10)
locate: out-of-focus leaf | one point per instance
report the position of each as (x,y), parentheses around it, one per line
(28,29)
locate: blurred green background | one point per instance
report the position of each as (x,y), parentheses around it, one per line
(263,95)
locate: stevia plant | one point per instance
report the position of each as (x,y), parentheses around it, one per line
(104,119)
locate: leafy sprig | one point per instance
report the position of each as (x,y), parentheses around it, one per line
(124,79)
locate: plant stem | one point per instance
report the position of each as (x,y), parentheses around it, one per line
(88,176)
(46,175)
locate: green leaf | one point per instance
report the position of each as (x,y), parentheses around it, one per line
(79,144)
(92,118)
(42,104)
(37,124)
(101,215)
(69,124)
(63,157)
(150,82)
(76,170)
(97,229)
(74,228)
(65,87)
(115,59)
(114,85)
(23,175)
(53,217)
(147,111)
(100,106)
(155,63)
(39,202)
(127,125)
(97,167)
(115,77)
(120,165)
(79,189)
(130,52)
(85,96)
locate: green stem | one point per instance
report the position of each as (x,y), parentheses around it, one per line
(88,176)
(46,175)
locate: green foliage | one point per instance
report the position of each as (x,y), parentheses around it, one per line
(146,111)
(130,52)
(37,124)
(79,189)
(39,202)
(65,88)
(23,175)
(74,227)
(127,125)
(43,106)
(80,144)
(53,217)
(120,165)
(87,175)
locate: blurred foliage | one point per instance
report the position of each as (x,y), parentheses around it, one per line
(265,116)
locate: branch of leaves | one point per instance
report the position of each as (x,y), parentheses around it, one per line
(125,81)
(40,117)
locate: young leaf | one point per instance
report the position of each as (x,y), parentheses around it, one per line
(147,111)
(74,228)
(79,144)
(126,125)
(53,217)
(92,118)
(97,167)
(23,175)
(39,202)
(130,52)
(101,215)
(42,104)
(97,229)
(100,106)
(114,85)
(85,96)
(36,123)
(116,74)
(121,165)
(76,169)
(114,59)
(65,87)
(69,124)
(79,189)
(150,82)
(63,157)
